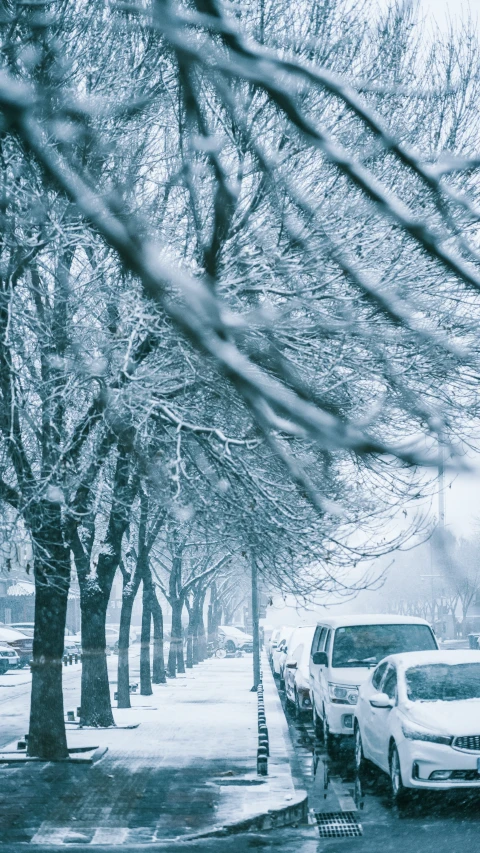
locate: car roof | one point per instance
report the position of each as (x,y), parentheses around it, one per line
(10,634)
(354,619)
(404,660)
(301,634)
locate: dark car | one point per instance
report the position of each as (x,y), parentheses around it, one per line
(8,658)
(17,640)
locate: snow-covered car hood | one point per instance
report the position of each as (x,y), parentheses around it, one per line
(350,675)
(10,635)
(450,718)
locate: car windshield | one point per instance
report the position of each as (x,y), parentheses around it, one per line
(441,682)
(365,645)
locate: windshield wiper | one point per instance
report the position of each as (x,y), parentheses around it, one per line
(357,662)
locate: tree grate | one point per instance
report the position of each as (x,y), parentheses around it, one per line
(338,824)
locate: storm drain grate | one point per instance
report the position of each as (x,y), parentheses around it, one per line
(338,824)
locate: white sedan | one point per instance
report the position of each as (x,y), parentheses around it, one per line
(418,719)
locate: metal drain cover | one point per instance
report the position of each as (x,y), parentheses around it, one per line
(338,824)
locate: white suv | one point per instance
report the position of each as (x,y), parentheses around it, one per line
(344,650)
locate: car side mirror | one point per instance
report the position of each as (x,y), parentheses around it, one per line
(291,664)
(320,659)
(381,700)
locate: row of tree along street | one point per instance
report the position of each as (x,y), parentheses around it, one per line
(238,304)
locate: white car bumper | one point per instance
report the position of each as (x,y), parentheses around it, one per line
(340,718)
(419,759)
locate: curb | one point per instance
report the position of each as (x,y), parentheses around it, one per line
(274,818)
(15,758)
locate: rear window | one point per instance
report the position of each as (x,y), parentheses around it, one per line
(365,645)
(441,682)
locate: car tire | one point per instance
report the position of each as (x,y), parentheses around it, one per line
(328,738)
(399,793)
(3,667)
(317,724)
(230,647)
(360,760)
(298,710)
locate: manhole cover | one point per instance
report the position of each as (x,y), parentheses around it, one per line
(338,824)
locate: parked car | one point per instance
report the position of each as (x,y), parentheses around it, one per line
(279,654)
(296,671)
(111,637)
(26,628)
(17,640)
(234,640)
(418,719)
(272,644)
(9,658)
(344,650)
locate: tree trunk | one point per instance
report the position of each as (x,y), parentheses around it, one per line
(96,708)
(47,737)
(214,614)
(145,672)
(175,652)
(201,642)
(190,634)
(158,668)
(95,591)
(130,590)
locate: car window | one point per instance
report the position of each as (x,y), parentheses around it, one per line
(378,675)
(390,683)
(318,639)
(366,645)
(443,682)
(325,640)
(296,654)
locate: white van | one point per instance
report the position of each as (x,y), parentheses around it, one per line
(344,650)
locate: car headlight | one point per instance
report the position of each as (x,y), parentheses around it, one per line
(342,694)
(413,734)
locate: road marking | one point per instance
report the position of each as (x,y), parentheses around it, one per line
(110,835)
(48,834)
(347,803)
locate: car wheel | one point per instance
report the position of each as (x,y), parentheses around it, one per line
(3,667)
(317,724)
(230,647)
(398,791)
(298,710)
(359,756)
(328,739)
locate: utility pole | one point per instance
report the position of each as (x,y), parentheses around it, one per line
(441,488)
(255,626)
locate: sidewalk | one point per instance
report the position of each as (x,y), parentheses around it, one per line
(188,769)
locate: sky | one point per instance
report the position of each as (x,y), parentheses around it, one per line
(442,9)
